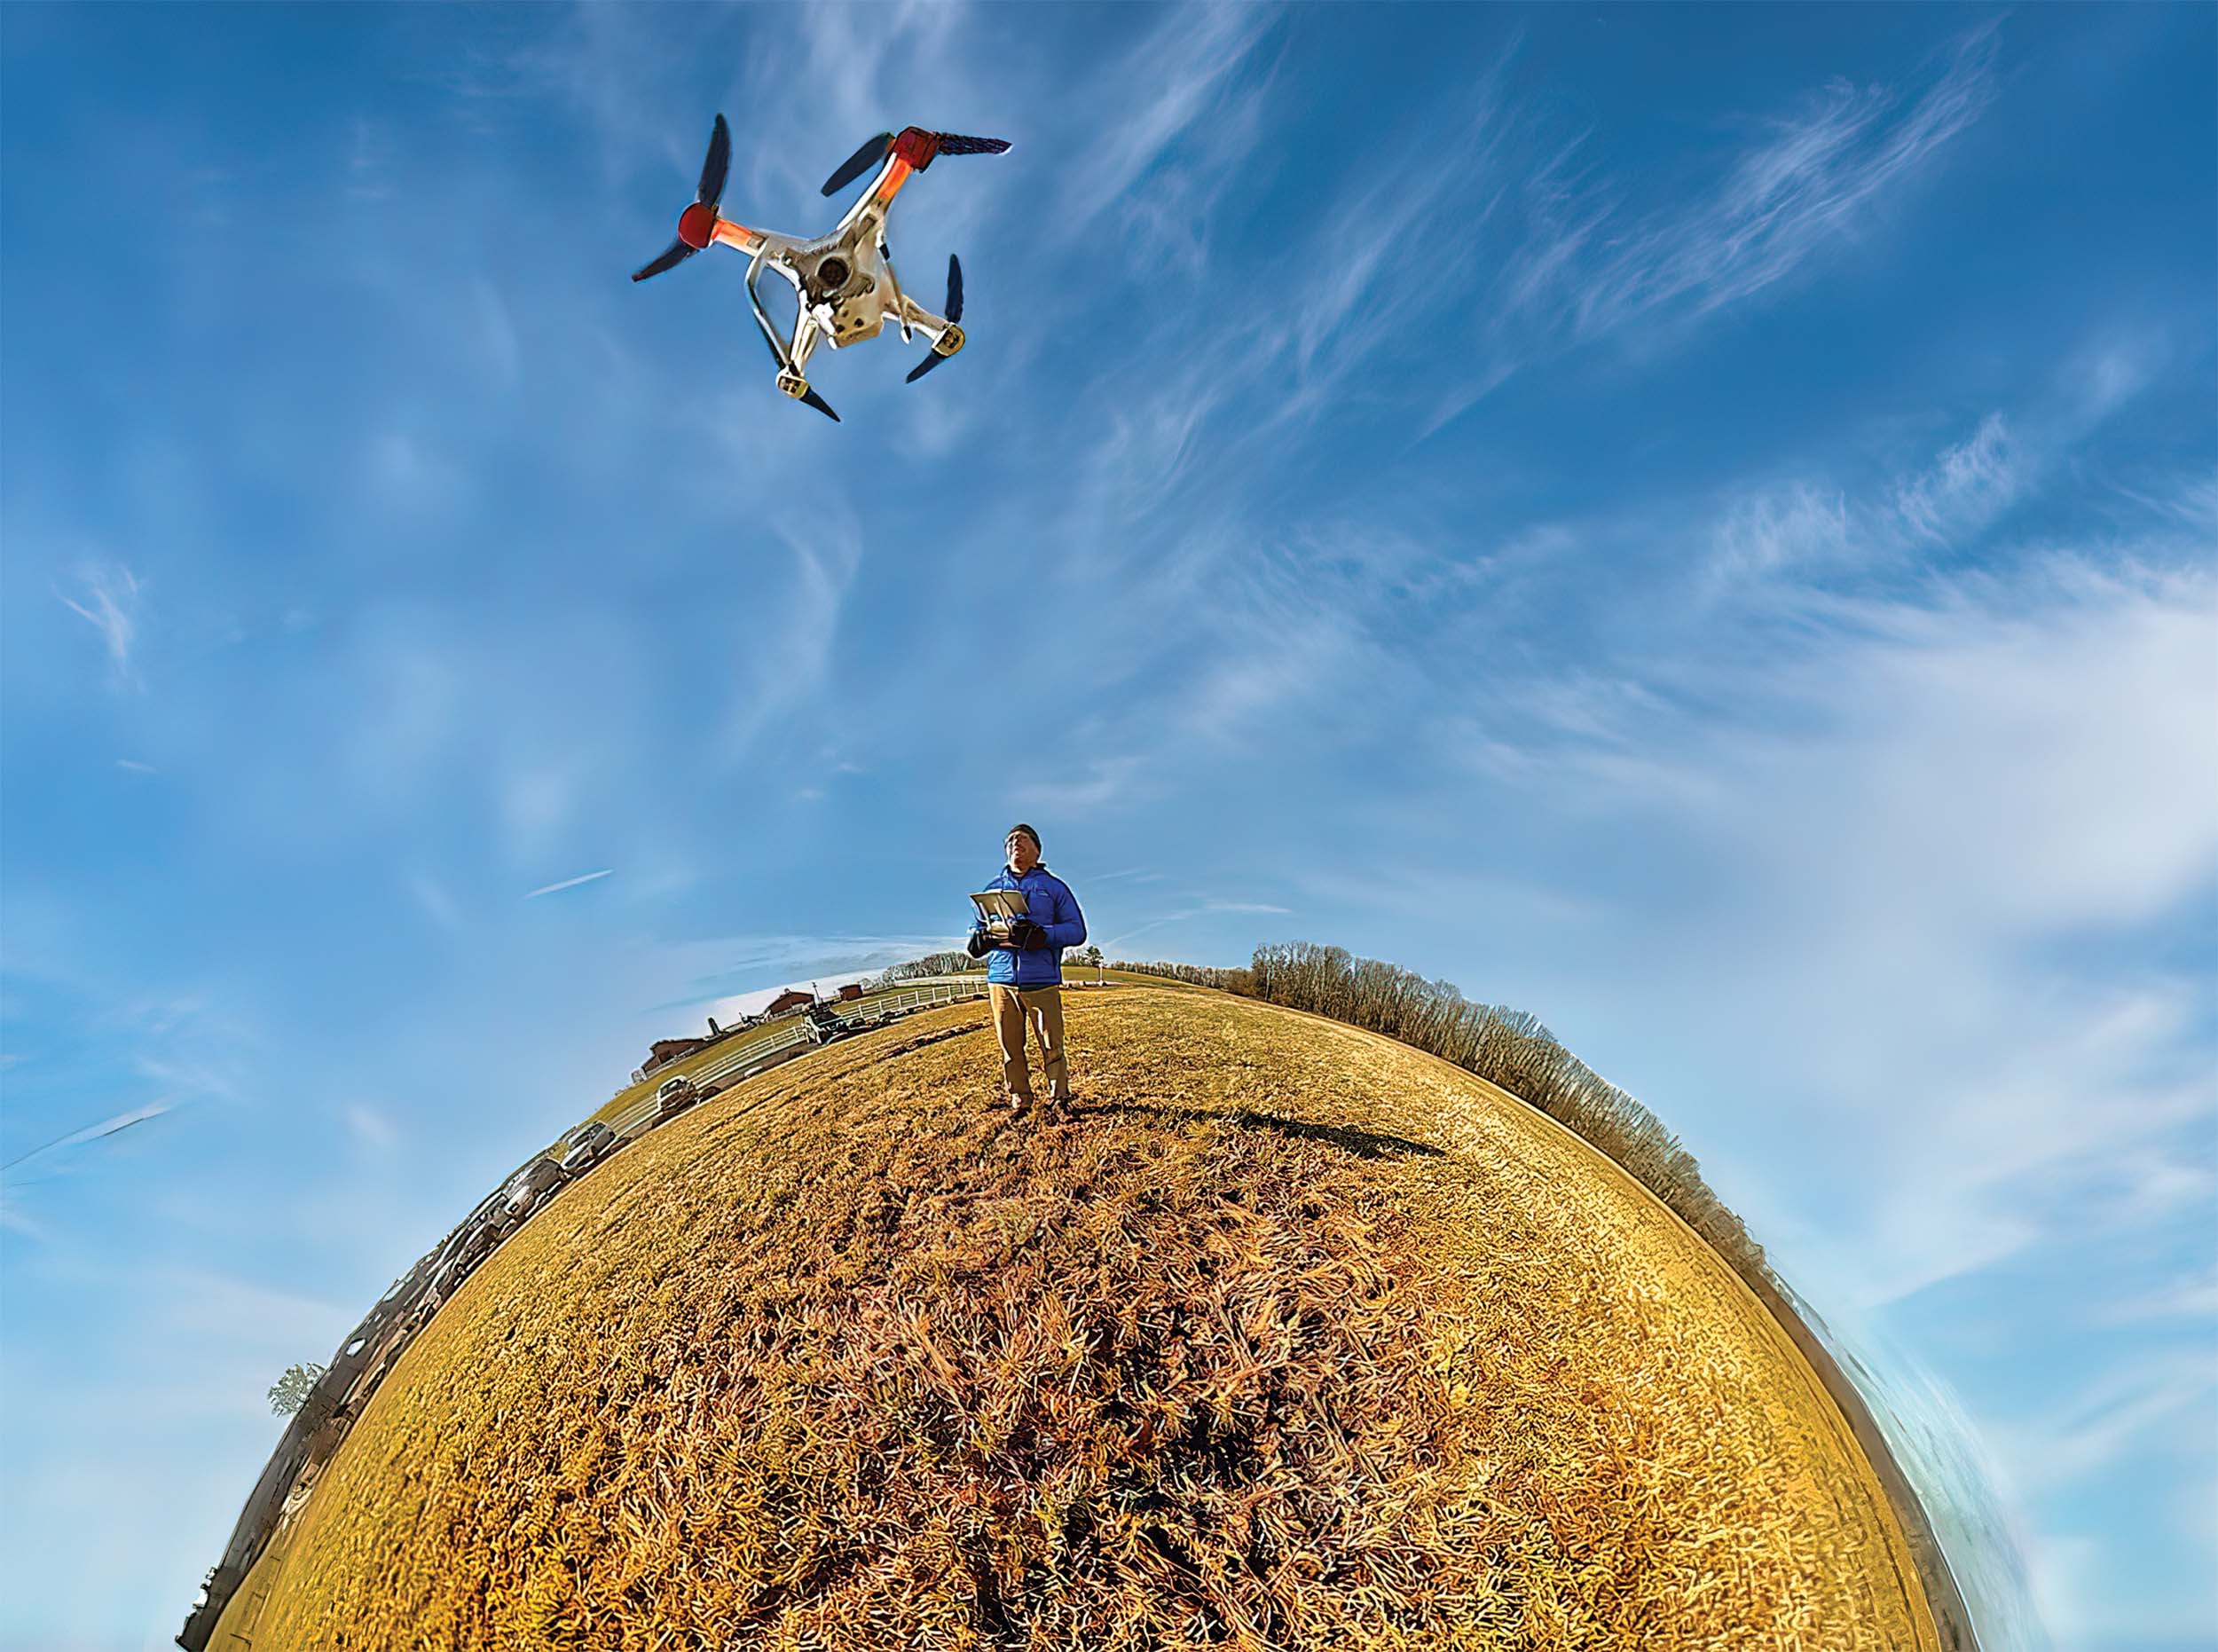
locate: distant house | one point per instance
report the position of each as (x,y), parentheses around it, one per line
(665,1050)
(852,991)
(785,1001)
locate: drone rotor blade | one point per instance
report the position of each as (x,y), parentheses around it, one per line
(821,405)
(856,165)
(952,143)
(954,314)
(678,252)
(719,162)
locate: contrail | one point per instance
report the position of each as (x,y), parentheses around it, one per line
(569,883)
(92,1132)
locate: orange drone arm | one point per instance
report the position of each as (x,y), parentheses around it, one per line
(911,151)
(890,185)
(736,235)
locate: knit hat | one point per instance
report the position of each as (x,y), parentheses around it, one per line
(1021,827)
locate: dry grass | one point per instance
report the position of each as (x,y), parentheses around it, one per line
(1294,1337)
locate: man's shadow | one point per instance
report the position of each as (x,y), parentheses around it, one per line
(1363,1143)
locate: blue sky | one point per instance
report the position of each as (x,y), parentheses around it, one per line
(1698,525)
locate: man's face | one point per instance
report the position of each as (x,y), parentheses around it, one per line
(1022,856)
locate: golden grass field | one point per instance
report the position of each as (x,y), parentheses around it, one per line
(1293,1337)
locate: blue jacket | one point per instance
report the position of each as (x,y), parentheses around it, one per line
(1050,904)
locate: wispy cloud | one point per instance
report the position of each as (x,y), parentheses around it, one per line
(2189,1296)
(134,767)
(1967,488)
(371,1127)
(112,608)
(1782,200)
(368,161)
(1989,696)
(569,883)
(1581,271)
(794,649)
(1180,82)
(2116,1414)
(432,897)
(1803,530)
(2189,503)
(537,798)
(1355,296)
(1106,780)
(1202,910)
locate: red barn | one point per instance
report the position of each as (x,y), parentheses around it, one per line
(668,1049)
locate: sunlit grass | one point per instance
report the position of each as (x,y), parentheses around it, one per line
(1294,1337)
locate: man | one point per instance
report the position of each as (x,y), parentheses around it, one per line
(1025,974)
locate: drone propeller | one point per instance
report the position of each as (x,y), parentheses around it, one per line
(856,165)
(719,162)
(914,146)
(696,225)
(954,314)
(953,144)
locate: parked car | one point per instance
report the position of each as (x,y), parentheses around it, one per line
(675,1095)
(475,1247)
(529,1186)
(586,1146)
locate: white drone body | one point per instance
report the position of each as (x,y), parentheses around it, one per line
(844,283)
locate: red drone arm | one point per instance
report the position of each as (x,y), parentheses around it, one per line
(917,147)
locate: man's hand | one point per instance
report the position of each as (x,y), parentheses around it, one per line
(979,944)
(1027,936)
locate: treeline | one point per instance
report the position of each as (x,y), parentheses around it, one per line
(1195,975)
(916,968)
(1505,1047)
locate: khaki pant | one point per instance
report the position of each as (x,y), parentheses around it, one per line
(1042,1007)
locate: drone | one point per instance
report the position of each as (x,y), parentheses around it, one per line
(844,282)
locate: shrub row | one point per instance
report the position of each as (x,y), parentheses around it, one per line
(1505,1047)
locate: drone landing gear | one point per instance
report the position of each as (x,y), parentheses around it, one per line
(794,385)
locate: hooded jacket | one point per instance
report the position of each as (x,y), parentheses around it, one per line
(1049,903)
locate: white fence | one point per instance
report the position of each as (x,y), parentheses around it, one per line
(744,1062)
(747,1057)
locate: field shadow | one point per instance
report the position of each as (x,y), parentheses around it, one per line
(1363,1143)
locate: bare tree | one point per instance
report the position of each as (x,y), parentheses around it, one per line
(291,1390)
